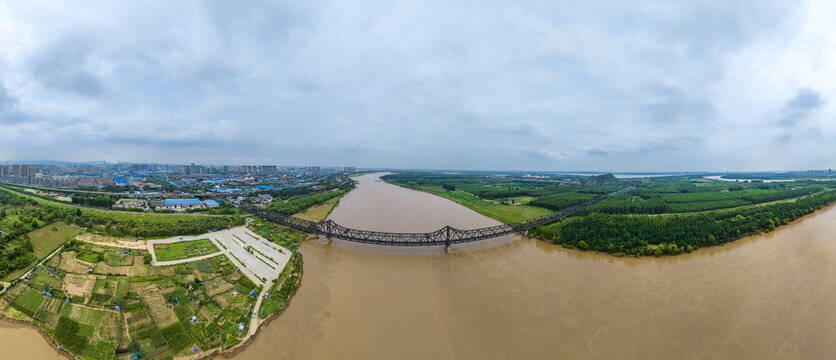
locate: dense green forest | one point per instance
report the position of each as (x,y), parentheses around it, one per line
(297,200)
(630,235)
(789,175)
(662,215)
(93,200)
(20,215)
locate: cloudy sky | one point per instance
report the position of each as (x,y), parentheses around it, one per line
(540,85)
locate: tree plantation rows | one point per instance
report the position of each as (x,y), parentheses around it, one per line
(653,201)
(663,215)
(15,221)
(631,235)
(302,200)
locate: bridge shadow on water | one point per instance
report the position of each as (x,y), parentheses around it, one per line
(420,250)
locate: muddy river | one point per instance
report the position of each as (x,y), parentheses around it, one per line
(769,296)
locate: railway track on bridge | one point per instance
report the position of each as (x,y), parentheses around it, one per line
(445,236)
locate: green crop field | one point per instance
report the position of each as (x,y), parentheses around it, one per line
(117,258)
(41,279)
(184,249)
(28,301)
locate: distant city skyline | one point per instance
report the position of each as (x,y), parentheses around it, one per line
(353,168)
(556,86)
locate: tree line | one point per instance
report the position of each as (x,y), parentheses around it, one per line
(633,235)
(300,203)
(20,215)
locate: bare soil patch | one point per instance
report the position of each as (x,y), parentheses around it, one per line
(79,285)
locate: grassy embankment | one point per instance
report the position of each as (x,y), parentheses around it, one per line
(319,212)
(44,241)
(504,213)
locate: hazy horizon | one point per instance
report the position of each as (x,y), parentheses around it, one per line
(565,171)
(557,86)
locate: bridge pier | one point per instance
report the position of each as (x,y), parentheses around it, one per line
(327,240)
(447,231)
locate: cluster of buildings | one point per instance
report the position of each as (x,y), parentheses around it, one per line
(255,170)
(166,204)
(152,177)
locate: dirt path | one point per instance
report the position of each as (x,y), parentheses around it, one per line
(58,250)
(125,244)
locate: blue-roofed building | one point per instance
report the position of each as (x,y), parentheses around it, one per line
(211,203)
(183,204)
(224,190)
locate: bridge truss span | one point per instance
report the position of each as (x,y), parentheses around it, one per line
(445,236)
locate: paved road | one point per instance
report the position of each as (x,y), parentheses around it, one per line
(105,210)
(266,261)
(263,265)
(122,194)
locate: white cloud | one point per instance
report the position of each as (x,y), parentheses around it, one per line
(649,85)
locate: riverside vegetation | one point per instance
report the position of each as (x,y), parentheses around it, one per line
(20,215)
(102,302)
(662,215)
(293,201)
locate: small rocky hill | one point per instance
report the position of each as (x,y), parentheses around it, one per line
(605,179)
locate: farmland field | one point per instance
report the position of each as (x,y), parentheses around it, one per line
(28,301)
(105,301)
(184,249)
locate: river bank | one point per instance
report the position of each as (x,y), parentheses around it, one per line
(764,296)
(642,234)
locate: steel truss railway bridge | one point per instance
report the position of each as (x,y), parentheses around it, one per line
(445,236)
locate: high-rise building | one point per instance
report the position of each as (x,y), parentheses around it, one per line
(349,169)
(269,170)
(194,170)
